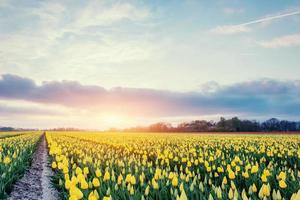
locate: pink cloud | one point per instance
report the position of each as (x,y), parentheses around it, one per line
(263,96)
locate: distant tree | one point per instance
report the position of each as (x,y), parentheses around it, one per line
(272,124)
(221,125)
(160,127)
(6,129)
(234,125)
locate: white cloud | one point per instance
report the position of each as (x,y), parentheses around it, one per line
(62,34)
(10,108)
(97,14)
(228,30)
(284,41)
(230,11)
(3,3)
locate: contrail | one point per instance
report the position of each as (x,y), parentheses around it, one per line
(269,18)
(238,28)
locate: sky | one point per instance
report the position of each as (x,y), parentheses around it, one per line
(103,64)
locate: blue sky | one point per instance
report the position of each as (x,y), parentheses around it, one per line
(179,47)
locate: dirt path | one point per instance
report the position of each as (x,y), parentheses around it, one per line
(36,184)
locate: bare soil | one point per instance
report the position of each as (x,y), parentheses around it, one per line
(36,182)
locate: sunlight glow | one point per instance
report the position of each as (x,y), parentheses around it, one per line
(113,120)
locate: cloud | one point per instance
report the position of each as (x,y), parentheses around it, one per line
(230,29)
(231,11)
(259,97)
(17,110)
(244,27)
(96,14)
(284,41)
(47,34)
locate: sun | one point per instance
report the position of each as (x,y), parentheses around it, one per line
(113,120)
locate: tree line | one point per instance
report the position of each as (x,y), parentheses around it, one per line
(223,125)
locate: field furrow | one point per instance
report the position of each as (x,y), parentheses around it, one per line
(36,184)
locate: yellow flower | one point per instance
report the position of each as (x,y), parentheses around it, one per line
(155,184)
(78,171)
(93,195)
(106,176)
(54,165)
(220,169)
(96,182)
(86,171)
(264,178)
(266,172)
(244,195)
(245,174)
(171,175)
(141,179)
(282,176)
(147,190)
(232,185)
(230,194)
(231,175)
(84,185)
(183,195)
(175,181)
(139,164)
(282,184)
(74,180)
(132,180)
(74,191)
(68,184)
(120,178)
(65,169)
(254,188)
(264,191)
(98,172)
(131,191)
(80,177)
(6,160)
(208,169)
(254,169)
(73,197)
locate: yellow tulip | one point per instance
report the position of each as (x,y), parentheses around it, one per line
(120,178)
(54,165)
(282,184)
(254,169)
(74,191)
(147,190)
(93,196)
(96,182)
(106,176)
(84,185)
(68,184)
(231,175)
(98,172)
(132,180)
(264,178)
(175,181)
(86,171)
(224,182)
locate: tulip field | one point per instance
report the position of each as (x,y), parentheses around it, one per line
(155,166)
(15,153)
